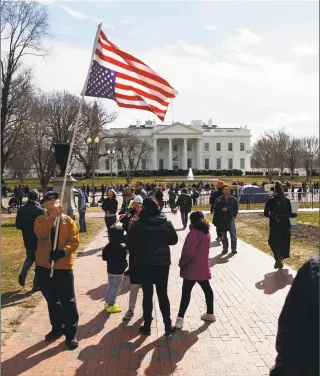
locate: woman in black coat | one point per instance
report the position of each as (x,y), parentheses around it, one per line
(278,210)
(149,239)
(110,207)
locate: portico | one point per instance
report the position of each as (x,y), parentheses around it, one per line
(173,152)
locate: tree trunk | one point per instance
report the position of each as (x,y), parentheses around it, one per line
(128,178)
(292,173)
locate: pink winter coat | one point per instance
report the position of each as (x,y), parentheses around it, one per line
(194,262)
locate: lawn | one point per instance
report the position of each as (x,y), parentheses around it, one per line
(34,183)
(253,228)
(13,253)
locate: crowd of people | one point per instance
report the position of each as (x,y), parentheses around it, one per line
(140,236)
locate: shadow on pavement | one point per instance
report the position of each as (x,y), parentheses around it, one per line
(13,297)
(90,252)
(275,281)
(220,259)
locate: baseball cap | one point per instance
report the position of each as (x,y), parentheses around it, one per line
(138,199)
(50,195)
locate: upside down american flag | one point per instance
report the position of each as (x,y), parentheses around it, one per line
(117,75)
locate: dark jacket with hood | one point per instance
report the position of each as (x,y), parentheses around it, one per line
(216,194)
(298,330)
(222,219)
(149,239)
(184,202)
(26,217)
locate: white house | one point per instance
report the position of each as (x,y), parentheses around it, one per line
(180,146)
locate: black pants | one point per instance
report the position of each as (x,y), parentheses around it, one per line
(59,294)
(172,203)
(186,295)
(158,276)
(184,218)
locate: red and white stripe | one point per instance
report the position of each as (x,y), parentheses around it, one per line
(137,85)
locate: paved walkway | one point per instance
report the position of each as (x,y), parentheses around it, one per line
(248,298)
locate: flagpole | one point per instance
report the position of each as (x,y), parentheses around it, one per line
(72,144)
(172,109)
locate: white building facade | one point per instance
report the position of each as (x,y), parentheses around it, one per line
(180,146)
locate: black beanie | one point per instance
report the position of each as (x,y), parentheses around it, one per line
(150,206)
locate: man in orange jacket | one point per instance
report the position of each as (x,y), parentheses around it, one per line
(58,290)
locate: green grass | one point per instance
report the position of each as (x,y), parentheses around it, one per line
(34,183)
(13,252)
(309,219)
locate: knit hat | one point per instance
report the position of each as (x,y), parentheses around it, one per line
(150,206)
(138,199)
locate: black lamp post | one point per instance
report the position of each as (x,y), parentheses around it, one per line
(111,154)
(93,145)
(61,152)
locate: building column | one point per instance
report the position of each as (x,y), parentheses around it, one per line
(155,157)
(200,167)
(185,155)
(170,155)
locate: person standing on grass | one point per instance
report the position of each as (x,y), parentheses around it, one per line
(149,239)
(110,207)
(213,200)
(26,217)
(297,341)
(115,255)
(58,290)
(82,207)
(184,202)
(278,210)
(225,212)
(195,266)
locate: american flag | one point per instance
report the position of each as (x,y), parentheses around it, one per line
(125,79)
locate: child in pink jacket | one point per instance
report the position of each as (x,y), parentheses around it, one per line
(195,266)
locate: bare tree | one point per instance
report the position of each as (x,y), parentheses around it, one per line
(281,139)
(131,149)
(264,153)
(23,25)
(21,161)
(94,119)
(310,153)
(293,154)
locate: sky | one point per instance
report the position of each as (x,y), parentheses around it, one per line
(237,63)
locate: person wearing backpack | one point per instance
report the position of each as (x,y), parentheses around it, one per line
(278,210)
(172,198)
(184,202)
(195,266)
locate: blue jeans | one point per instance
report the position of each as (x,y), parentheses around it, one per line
(82,222)
(114,284)
(28,262)
(233,236)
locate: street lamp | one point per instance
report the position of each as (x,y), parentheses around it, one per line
(111,154)
(93,145)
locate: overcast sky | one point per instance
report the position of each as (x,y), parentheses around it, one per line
(236,63)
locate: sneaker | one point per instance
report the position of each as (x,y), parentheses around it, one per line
(169,330)
(208,317)
(234,252)
(22,280)
(72,343)
(179,323)
(113,309)
(128,315)
(106,306)
(53,335)
(224,252)
(145,330)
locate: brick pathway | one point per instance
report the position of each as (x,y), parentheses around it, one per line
(248,299)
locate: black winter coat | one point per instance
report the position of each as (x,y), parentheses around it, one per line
(222,219)
(26,217)
(116,257)
(149,240)
(110,205)
(298,330)
(184,202)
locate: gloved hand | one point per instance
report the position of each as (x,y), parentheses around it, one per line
(56,255)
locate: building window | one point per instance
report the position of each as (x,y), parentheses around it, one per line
(189,162)
(206,164)
(206,146)
(218,163)
(131,164)
(241,146)
(160,148)
(107,164)
(175,147)
(144,164)
(160,164)
(218,146)
(242,163)
(119,164)
(230,163)
(230,146)
(189,146)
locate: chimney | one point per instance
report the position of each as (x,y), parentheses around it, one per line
(210,123)
(154,123)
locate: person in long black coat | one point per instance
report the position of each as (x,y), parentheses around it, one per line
(278,210)
(298,330)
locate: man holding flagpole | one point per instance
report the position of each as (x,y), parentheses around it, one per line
(58,290)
